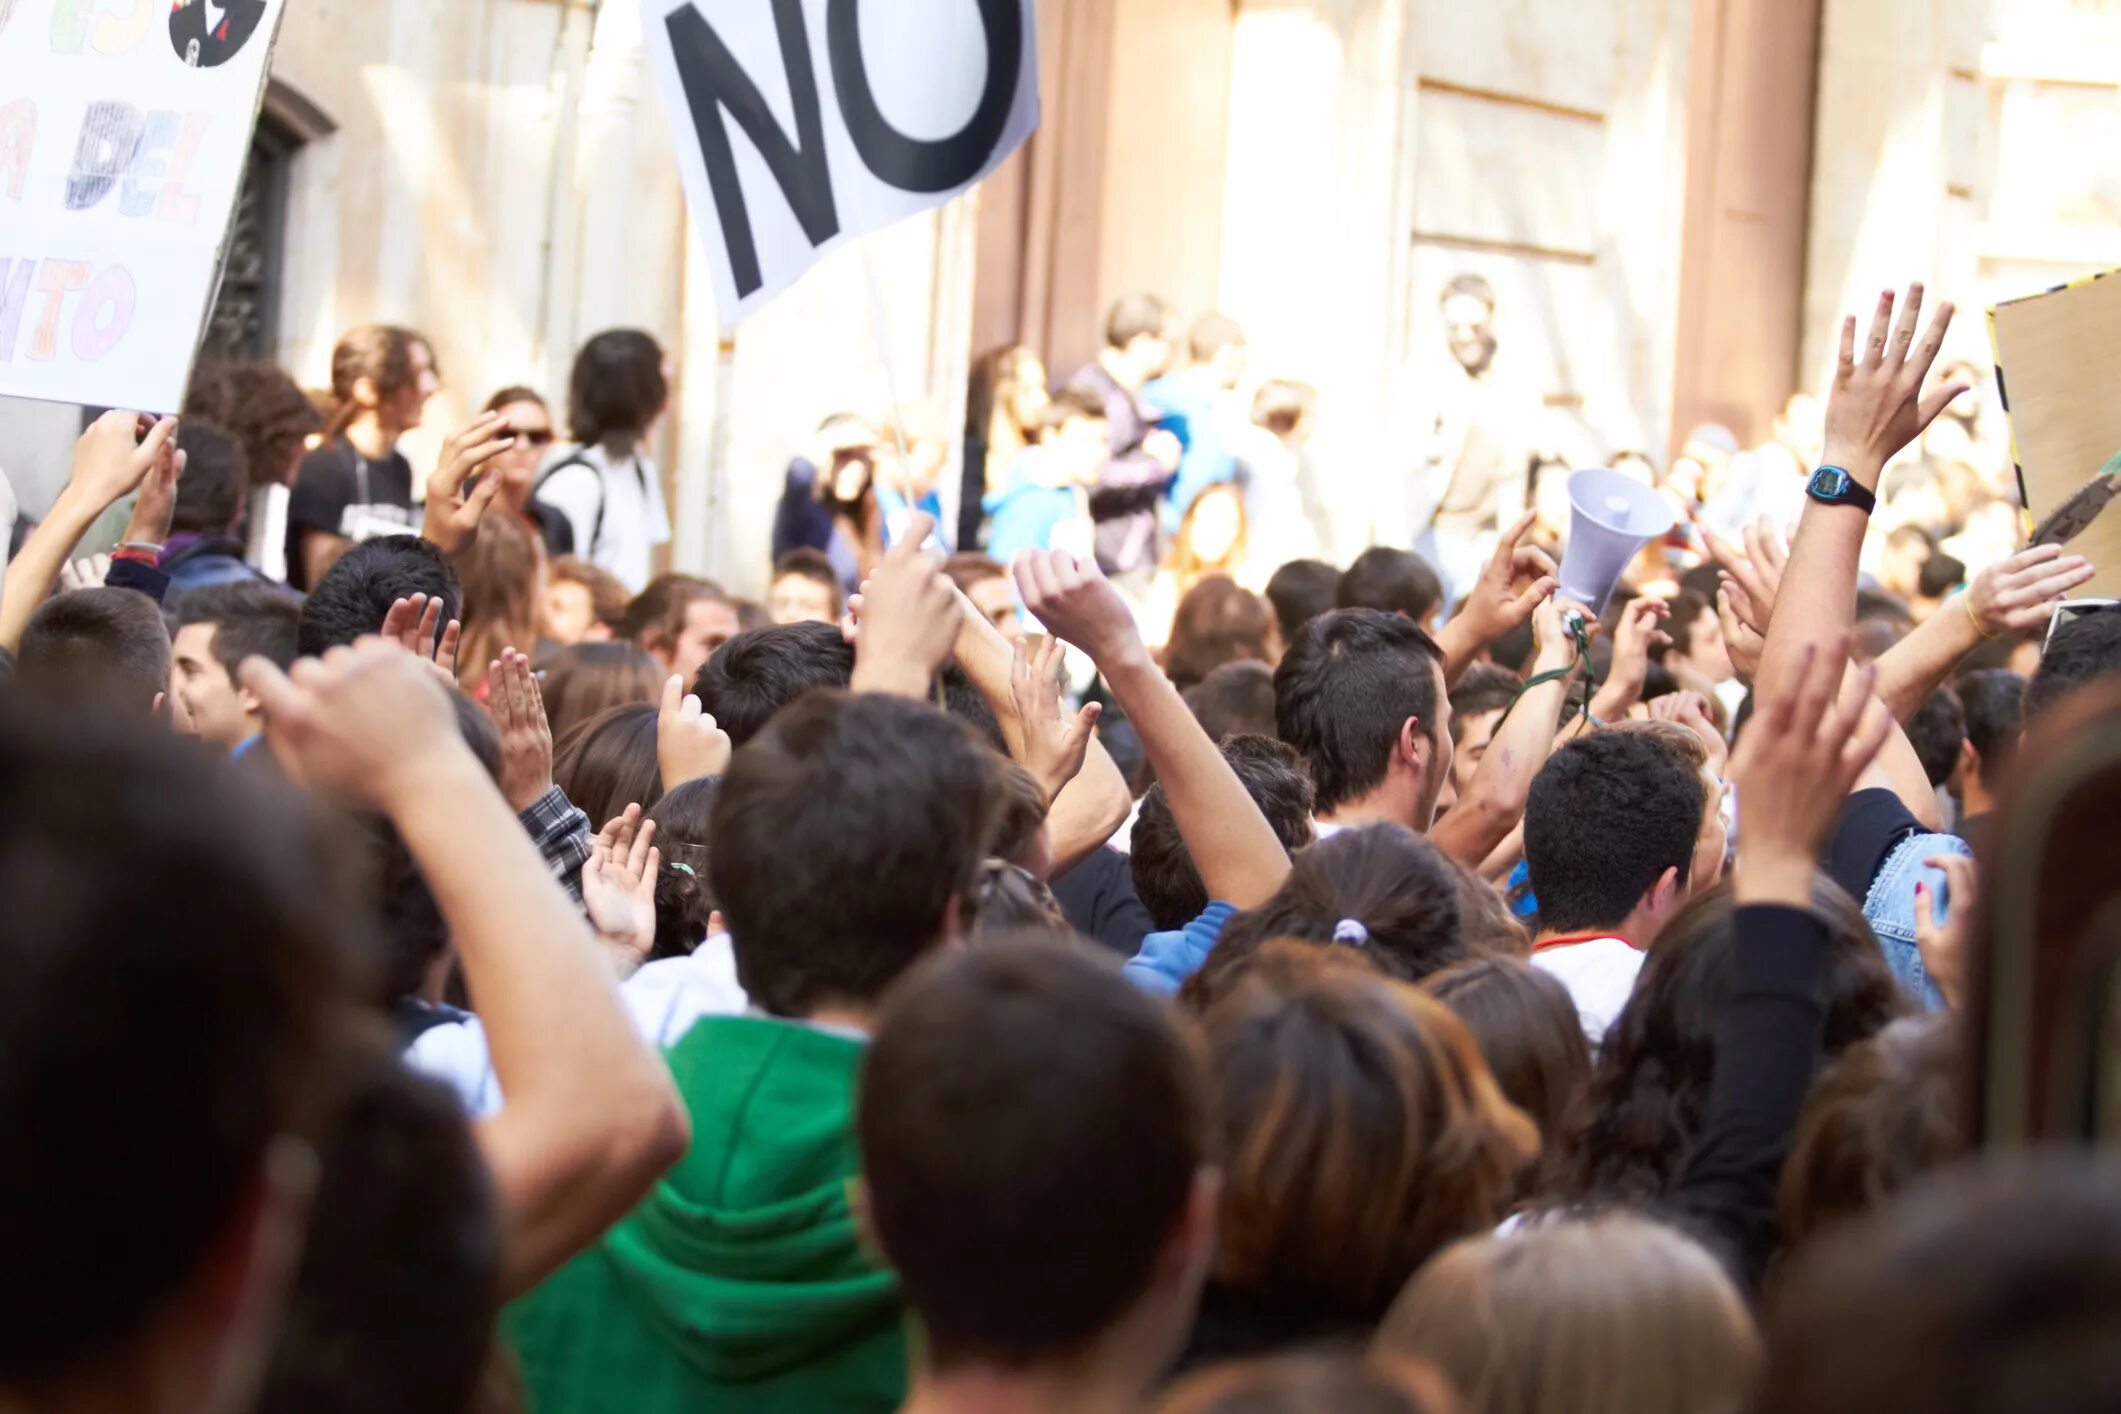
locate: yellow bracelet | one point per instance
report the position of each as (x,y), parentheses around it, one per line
(1967,603)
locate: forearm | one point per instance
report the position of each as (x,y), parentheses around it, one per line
(1087,810)
(985,657)
(1816,606)
(1239,858)
(1494,801)
(1462,646)
(1918,664)
(31,574)
(591,1117)
(1903,773)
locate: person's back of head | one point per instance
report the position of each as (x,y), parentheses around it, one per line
(684,837)
(1034,1136)
(609,762)
(1300,591)
(262,408)
(1990,1289)
(1136,316)
(1217,622)
(1527,1031)
(1360,1133)
(1613,1315)
(2085,648)
(1396,581)
(756,674)
(394,1301)
(847,833)
(1213,335)
(1993,701)
(1237,699)
(1629,1137)
(355,594)
(97,645)
(1344,692)
(1610,826)
(1313,1384)
(591,678)
(170,988)
(215,483)
(1937,731)
(1165,878)
(1879,1118)
(1380,890)
(617,388)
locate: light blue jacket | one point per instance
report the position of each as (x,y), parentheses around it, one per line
(1166,960)
(1890,908)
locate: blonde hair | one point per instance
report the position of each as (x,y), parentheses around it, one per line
(1612,1315)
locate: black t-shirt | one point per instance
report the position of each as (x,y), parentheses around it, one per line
(1873,824)
(1098,897)
(340,492)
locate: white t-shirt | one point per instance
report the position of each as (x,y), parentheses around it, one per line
(617,505)
(664,999)
(1600,975)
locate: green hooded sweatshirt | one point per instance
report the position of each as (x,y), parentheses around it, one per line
(739,1285)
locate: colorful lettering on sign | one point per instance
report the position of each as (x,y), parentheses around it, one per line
(100,320)
(56,279)
(153,152)
(114,25)
(18,137)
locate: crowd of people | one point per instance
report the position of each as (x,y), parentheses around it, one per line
(1102,955)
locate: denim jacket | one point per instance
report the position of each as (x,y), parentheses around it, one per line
(1890,909)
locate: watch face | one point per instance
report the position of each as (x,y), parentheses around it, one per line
(1829,484)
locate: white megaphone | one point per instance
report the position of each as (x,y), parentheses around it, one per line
(1614,517)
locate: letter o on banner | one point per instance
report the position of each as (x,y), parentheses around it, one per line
(909,163)
(105,313)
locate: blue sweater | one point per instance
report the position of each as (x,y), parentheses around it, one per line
(1168,959)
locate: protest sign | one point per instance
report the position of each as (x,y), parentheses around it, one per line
(801,123)
(2058,364)
(124,129)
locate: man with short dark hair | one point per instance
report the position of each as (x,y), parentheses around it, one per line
(1035,1145)
(1144,456)
(1300,591)
(98,645)
(172,948)
(756,674)
(1361,694)
(1937,731)
(848,837)
(1165,880)
(1609,835)
(1478,703)
(805,589)
(217,628)
(355,595)
(203,547)
(1993,702)
(681,621)
(2085,648)
(1396,581)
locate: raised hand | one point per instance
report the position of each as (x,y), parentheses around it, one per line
(1794,768)
(157,503)
(688,743)
(1078,605)
(412,625)
(1745,643)
(1515,581)
(1877,406)
(517,706)
(451,520)
(370,724)
(2019,594)
(114,457)
(86,573)
(1943,944)
(618,887)
(1691,710)
(1055,740)
(910,617)
(1637,635)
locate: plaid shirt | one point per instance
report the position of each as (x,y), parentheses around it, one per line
(562,835)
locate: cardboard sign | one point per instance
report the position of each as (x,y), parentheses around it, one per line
(2058,368)
(124,129)
(801,123)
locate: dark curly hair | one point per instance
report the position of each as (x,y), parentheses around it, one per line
(266,411)
(1401,891)
(1165,878)
(1628,1137)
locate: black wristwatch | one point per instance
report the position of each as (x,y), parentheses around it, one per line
(1831,486)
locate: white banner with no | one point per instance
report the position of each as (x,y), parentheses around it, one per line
(801,123)
(124,129)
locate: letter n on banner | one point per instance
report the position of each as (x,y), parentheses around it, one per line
(737,75)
